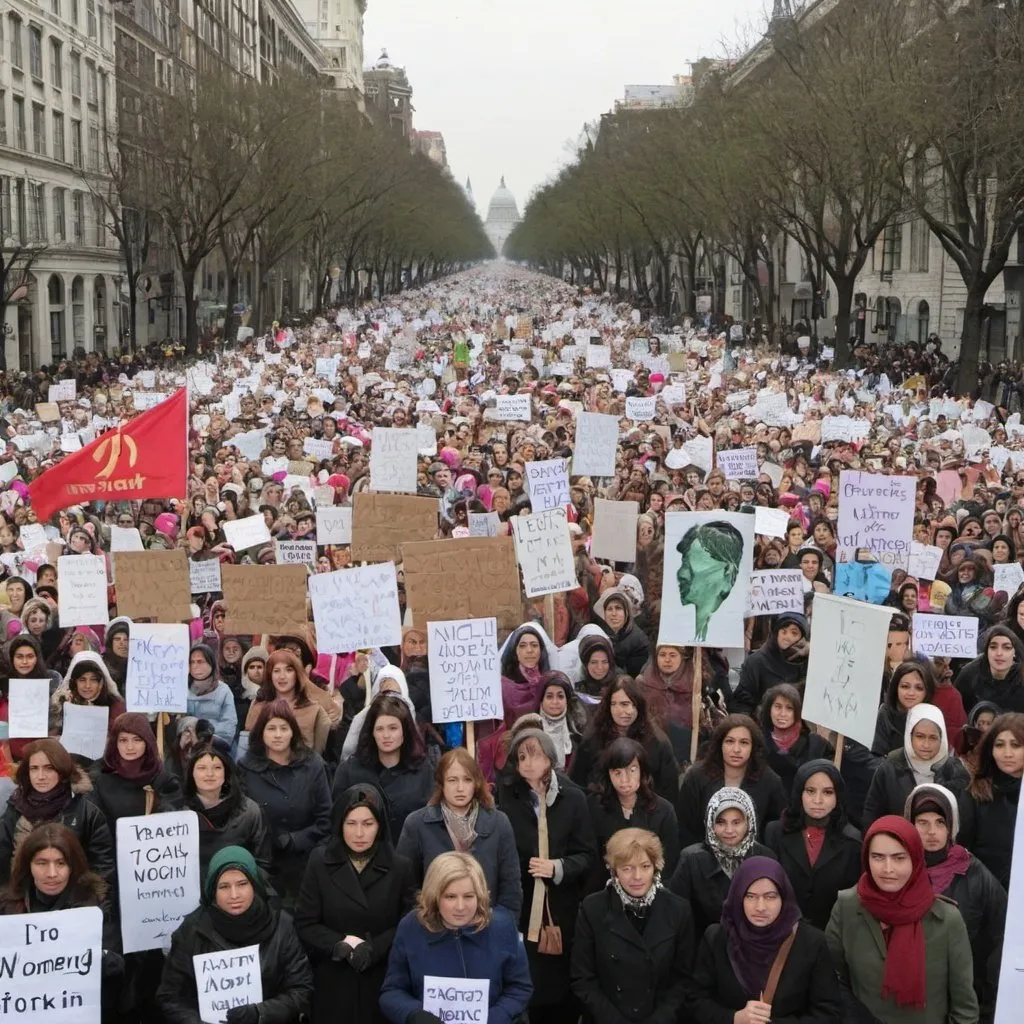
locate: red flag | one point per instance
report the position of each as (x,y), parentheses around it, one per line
(147,458)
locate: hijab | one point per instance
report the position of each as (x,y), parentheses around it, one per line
(904,978)
(587,646)
(752,949)
(924,771)
(793,817)
(143,769)
(360,795)
(943,865)
(730,857)
(253,926)
(558,728)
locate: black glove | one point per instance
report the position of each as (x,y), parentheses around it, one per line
(341,952)
(112,964)
(422,1017)
(283,841)
(361,956)
(244,1014)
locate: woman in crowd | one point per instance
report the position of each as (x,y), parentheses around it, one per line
(614,613)
(285,679)
(208,697)
(562,716)
(87,683)
(390,679)
(24,660)
(735,757)
(816,846)
(911,683)
(623,713)
(288,782)
(634,942)
(597,665)
(988,809)
(925,757)
(390,756)
(783,659)
(902,954)
(454,932)
(995,675)
(789,741)
(115,652)
(52,787)
(234,912)
(556,847)
(461,816)
(227,817)
(354,892)
(525,657)
(704,870)
(762,962)
(623,797)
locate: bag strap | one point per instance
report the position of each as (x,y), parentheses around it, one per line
(780,962)
(539,888)
(150,798)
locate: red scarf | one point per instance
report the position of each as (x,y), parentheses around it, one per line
(814,840)
(785,738)
(903,911)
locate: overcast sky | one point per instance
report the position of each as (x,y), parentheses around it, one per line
(510,83)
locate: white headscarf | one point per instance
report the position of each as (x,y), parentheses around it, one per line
(924,771)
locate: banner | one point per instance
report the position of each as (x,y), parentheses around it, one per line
(157,676)
(465,670)
(153,585)
(544,552)
(597,439)
(82,599)
(356,608)
(393,459)
(614,530)
(775,591)
(945,636)
(264,598)
(548,483)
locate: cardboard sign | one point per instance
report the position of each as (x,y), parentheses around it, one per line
(544,552)
(356,608)
(48,412)
(204,575)
(295,552)
(547,483)
(876,511)
(775,591)
(514,407)
(451,1000)
(465,670)
(265,598)
(83,590)
(770,522)
(738,463)
(245,533)
(226,980)
(382,523)
(154,585)
(945,636)
(393,459)
(28,710)
(597,439)
(85,730)
(333,525)
(157,677)
(614,530)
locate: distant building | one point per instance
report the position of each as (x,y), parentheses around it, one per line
(469,193)
(431,144)
(389,95)
(653,97)
(502,217)
(337,25)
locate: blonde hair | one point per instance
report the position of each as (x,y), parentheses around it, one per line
(443,871)
(629,844)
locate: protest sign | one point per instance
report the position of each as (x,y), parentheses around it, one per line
(264,598)
(548,483)
(33,535)
(319,449)
(157,677)
(1011,971)
(28,710)
(775,591)
(614,530)
(640,409)
(356,608)
(598,356)
(513,407)
(84,729)
(227,979)
(48,412)
(52,966)
(465,670)
(673,394)
(83,590)
(597,438)
(848,645)
(295,552)
(63,391)
(480,577)
(153,585)
(158,876)
(382,523)
(924,561)
(249,532)
(770,522)
(483,524)
(204,575)
(738,463)
(333,525)
(876,511)
(709,557)
(1008,578)
(125,538)
(544,552)
(457,1000)
(393,458)
(249,444)
(945,636)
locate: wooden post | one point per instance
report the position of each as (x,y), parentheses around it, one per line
(698,698)
(839,751)
(161,724)
(549,616)
(471,739)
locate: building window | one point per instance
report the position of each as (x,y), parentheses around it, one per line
(74,13)
(76,144)
(892,249)
(59,152)
(76,74)
(39,129)
(3,118)
(91,88)
(17,57)
(55,7)
(35,51)
(19,226)
(60,229)
(5,204)
(94,149)
(78,217)
(101,227)
(90,18)
(56,70)
(19,122)
(36,213)
(920,238)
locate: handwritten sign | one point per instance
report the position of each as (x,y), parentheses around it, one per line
(85,730)
(248,532)
(153,585)
(597,437)
(333,525)
(876,511)
(457,1000)
(738,463)
(548,483)
(465,671)
(641,409)
(545,552)
(513,407)
(770,522)
(204,575)
(158,876)
(847,656)
(598,356)
(83,590)
(483,524)
(775,591)
(356,608)
(614,530)
(945,636)
(157,678)
(320,450)
(393,459)
(1008,578)
(295,552)
(227,979)
(925,559)
(29,709)
(63,391)
(126,538)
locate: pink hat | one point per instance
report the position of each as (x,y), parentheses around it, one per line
(167,524)
(657,378)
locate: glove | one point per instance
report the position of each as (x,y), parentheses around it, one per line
(283,842)
(244,1015)
(361,956)
(341,952)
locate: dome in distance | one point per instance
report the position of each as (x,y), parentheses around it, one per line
(503,208)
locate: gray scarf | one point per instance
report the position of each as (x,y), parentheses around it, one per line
(461,827)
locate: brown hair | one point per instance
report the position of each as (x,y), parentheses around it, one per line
(714,763)
(61,838)
(461,757)
(981,785)
(279,708)
(268,693)
(62,761)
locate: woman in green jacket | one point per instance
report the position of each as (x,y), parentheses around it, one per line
(902,953)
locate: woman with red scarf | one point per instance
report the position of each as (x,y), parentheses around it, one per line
(901,952)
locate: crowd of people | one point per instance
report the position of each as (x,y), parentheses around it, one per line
(577,858)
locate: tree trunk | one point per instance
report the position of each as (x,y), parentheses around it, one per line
(188,278)
(844,295)
(970,344)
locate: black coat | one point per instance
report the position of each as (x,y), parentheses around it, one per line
(570,840)
(336,901)
(761,670)
(700,880)
(664,769)
(808,747)
(698,787)
(296,802)
(287,979)
(890,730)
(631,646)
(894,781)
(246,827)
(986,829)
(406,788)
(976,684)
(661,821)
(837,867)
(118,797)
(808,989)
(620,974)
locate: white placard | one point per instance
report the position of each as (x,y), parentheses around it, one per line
(700,451)
(598,356)
(225,980)
(126,538)
(147,378)
(465,670)
(250,444)
(63,391)
(513,407)
(295,552)
(1011,972)
(157,678)
(204,575)
(70,443)
(848,644)
(245,533)
(53,966)
(876,511)
(641,409)
(614,535)
(85,729)
(82,596)
(28,713)
(158,876)
(333,525)
(770,522)
(776,591)
(320,450)
(463,1000)
(1008,578)
(597,438)
(393,460)
(356,608)
(544,552)
(924,561)
(944,636)
(33,535)
(738,463)
(547,483)
(483,524)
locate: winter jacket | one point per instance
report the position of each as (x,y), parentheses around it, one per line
(807,992)
(837,867)
(630,643)
(894,780)
(494,953)
(246,827)
(987,829)
(664,769)
(808,747)
(118,797)
(661,821)
(620,974)
(858,771)
(858,952)
(406,787)
(218,708)
(890,726)
(425,836)
(312,719)
(698,787)
(765,668)
(284,971)
(975,684)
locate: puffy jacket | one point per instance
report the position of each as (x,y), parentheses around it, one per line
(894,781)
(218,708)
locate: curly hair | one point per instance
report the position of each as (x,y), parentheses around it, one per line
(712,761)
(603,730)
